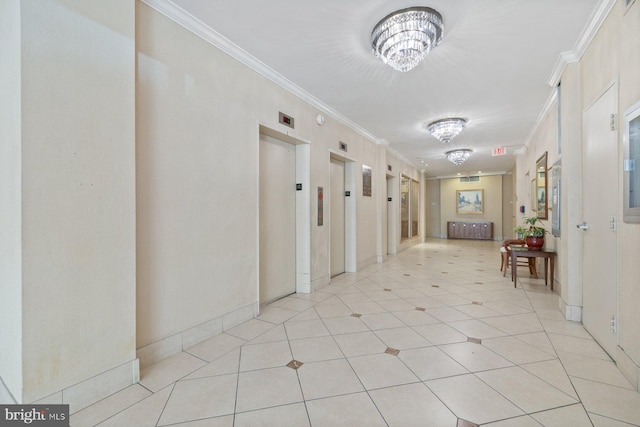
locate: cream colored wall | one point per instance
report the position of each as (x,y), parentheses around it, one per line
(613,56)
(198,112)
(78,183)
(10,200)
(508,206)
(569,263)
(544,141)
(492,186)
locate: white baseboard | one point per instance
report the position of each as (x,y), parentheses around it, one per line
(573,313)
(320,283)
(367,262)
(94,389)
(176,343)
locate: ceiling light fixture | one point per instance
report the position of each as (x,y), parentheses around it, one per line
(447,129)
(458,157)
(404,38)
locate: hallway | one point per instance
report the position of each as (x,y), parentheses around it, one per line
(432,337)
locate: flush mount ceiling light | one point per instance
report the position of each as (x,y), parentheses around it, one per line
(447,129)
(458,157)
(402,39)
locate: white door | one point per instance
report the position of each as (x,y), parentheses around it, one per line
(600,192)
(277,219)
(337,218)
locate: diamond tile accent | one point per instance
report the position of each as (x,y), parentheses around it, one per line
(405,274)
(420,309)
(474,340)
(294,364)
(476,302)
(392,351)
(436,286)
(387,290)
(478,283)
(444,272)
(356,315)
(465,423)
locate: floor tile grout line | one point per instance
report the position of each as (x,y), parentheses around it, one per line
(609,418)
(600,382)
(373,275)
(560,360)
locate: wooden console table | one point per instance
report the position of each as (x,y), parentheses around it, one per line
(469,230)
(525,253)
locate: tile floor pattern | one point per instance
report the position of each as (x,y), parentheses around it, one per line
(433,337)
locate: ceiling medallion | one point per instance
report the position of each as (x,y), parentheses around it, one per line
(404,38)
(447,129)
(458,157)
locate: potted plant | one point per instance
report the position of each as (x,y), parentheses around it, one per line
(534,234)
(521,231)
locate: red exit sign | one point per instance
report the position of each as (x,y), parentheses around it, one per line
(500,151)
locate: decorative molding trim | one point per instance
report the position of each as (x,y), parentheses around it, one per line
(208,34)
(589,32)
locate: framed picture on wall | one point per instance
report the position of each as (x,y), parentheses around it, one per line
(470,201)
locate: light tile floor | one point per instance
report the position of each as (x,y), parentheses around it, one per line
(433,337)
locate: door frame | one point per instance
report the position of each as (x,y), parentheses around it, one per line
(303,206)
(350,224)
(392,214)
(613,85)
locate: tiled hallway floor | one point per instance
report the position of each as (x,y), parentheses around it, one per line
(433,337)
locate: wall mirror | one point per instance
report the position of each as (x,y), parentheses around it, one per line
(541,187)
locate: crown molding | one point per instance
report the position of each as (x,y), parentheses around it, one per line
(588,33)
(208,34)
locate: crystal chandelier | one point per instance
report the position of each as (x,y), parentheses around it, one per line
(447,129)
(458,157)
(402,39)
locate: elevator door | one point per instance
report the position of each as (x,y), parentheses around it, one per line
(277,219)
(337,218)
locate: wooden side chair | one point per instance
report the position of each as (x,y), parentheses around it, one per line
(505,258)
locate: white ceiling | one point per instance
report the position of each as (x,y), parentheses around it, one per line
(493,67)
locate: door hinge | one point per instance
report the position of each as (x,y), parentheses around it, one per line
(612,122)
(614,324)
(612,223)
